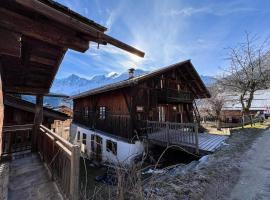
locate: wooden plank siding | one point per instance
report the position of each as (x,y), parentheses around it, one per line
(123,115)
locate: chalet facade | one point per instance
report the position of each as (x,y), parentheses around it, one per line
(109,120)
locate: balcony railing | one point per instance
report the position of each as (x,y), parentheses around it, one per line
(16,139)
(116,124)
(171,133)
(174,96)
(62,159)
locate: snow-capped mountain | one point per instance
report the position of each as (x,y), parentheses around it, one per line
(74,84)
(208,80)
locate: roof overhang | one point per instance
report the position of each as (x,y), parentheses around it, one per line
(34,37)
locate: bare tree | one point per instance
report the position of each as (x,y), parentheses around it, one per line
(212,107)
(249,70)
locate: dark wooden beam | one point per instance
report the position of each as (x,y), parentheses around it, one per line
(41,30)
(92,33)
(10,43)
(42,60)
(1,113)
(26,90)
(37,121)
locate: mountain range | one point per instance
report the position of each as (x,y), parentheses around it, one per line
(75,84)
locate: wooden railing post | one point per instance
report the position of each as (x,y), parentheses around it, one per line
(37,121)
(74,175)
(196,138)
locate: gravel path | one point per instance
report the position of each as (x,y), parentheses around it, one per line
(254,181)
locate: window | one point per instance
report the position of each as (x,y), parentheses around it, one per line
(92,143)
(178,87)
(111,147)
(102,112)
(78,136)
(161,83)
(161,113)
(84,138)
(139,108)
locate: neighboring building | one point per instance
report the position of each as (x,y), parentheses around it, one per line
(62,128)
(232,110)
(65,109)
(108,120)
(19,112)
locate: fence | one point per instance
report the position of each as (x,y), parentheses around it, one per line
(237,121)
(173,133)
(62,159)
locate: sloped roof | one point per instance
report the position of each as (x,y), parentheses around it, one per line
(18,103)
(203,93)
(70,12)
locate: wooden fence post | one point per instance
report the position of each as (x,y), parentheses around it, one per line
(74,175)
(243,121)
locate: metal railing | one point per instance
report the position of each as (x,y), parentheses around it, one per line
(62,160)
(173,133)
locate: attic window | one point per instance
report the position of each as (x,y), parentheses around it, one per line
(102,112)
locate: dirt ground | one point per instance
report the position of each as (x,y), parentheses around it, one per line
(224,174)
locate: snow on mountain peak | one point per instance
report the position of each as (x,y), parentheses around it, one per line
(112,75)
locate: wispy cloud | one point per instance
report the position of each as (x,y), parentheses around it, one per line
(218,10)
(167,31)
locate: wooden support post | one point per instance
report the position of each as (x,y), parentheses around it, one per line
(196,138)
(1,114)
(37,122)
(74,175)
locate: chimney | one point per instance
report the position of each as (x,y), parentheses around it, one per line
(131,73)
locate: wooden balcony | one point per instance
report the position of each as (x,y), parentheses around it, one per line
(174,96)
(116,124)
(183,136)
(61,160)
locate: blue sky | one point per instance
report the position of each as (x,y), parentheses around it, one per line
(168,31)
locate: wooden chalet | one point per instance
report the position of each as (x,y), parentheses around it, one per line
(137,107)
(34,37)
